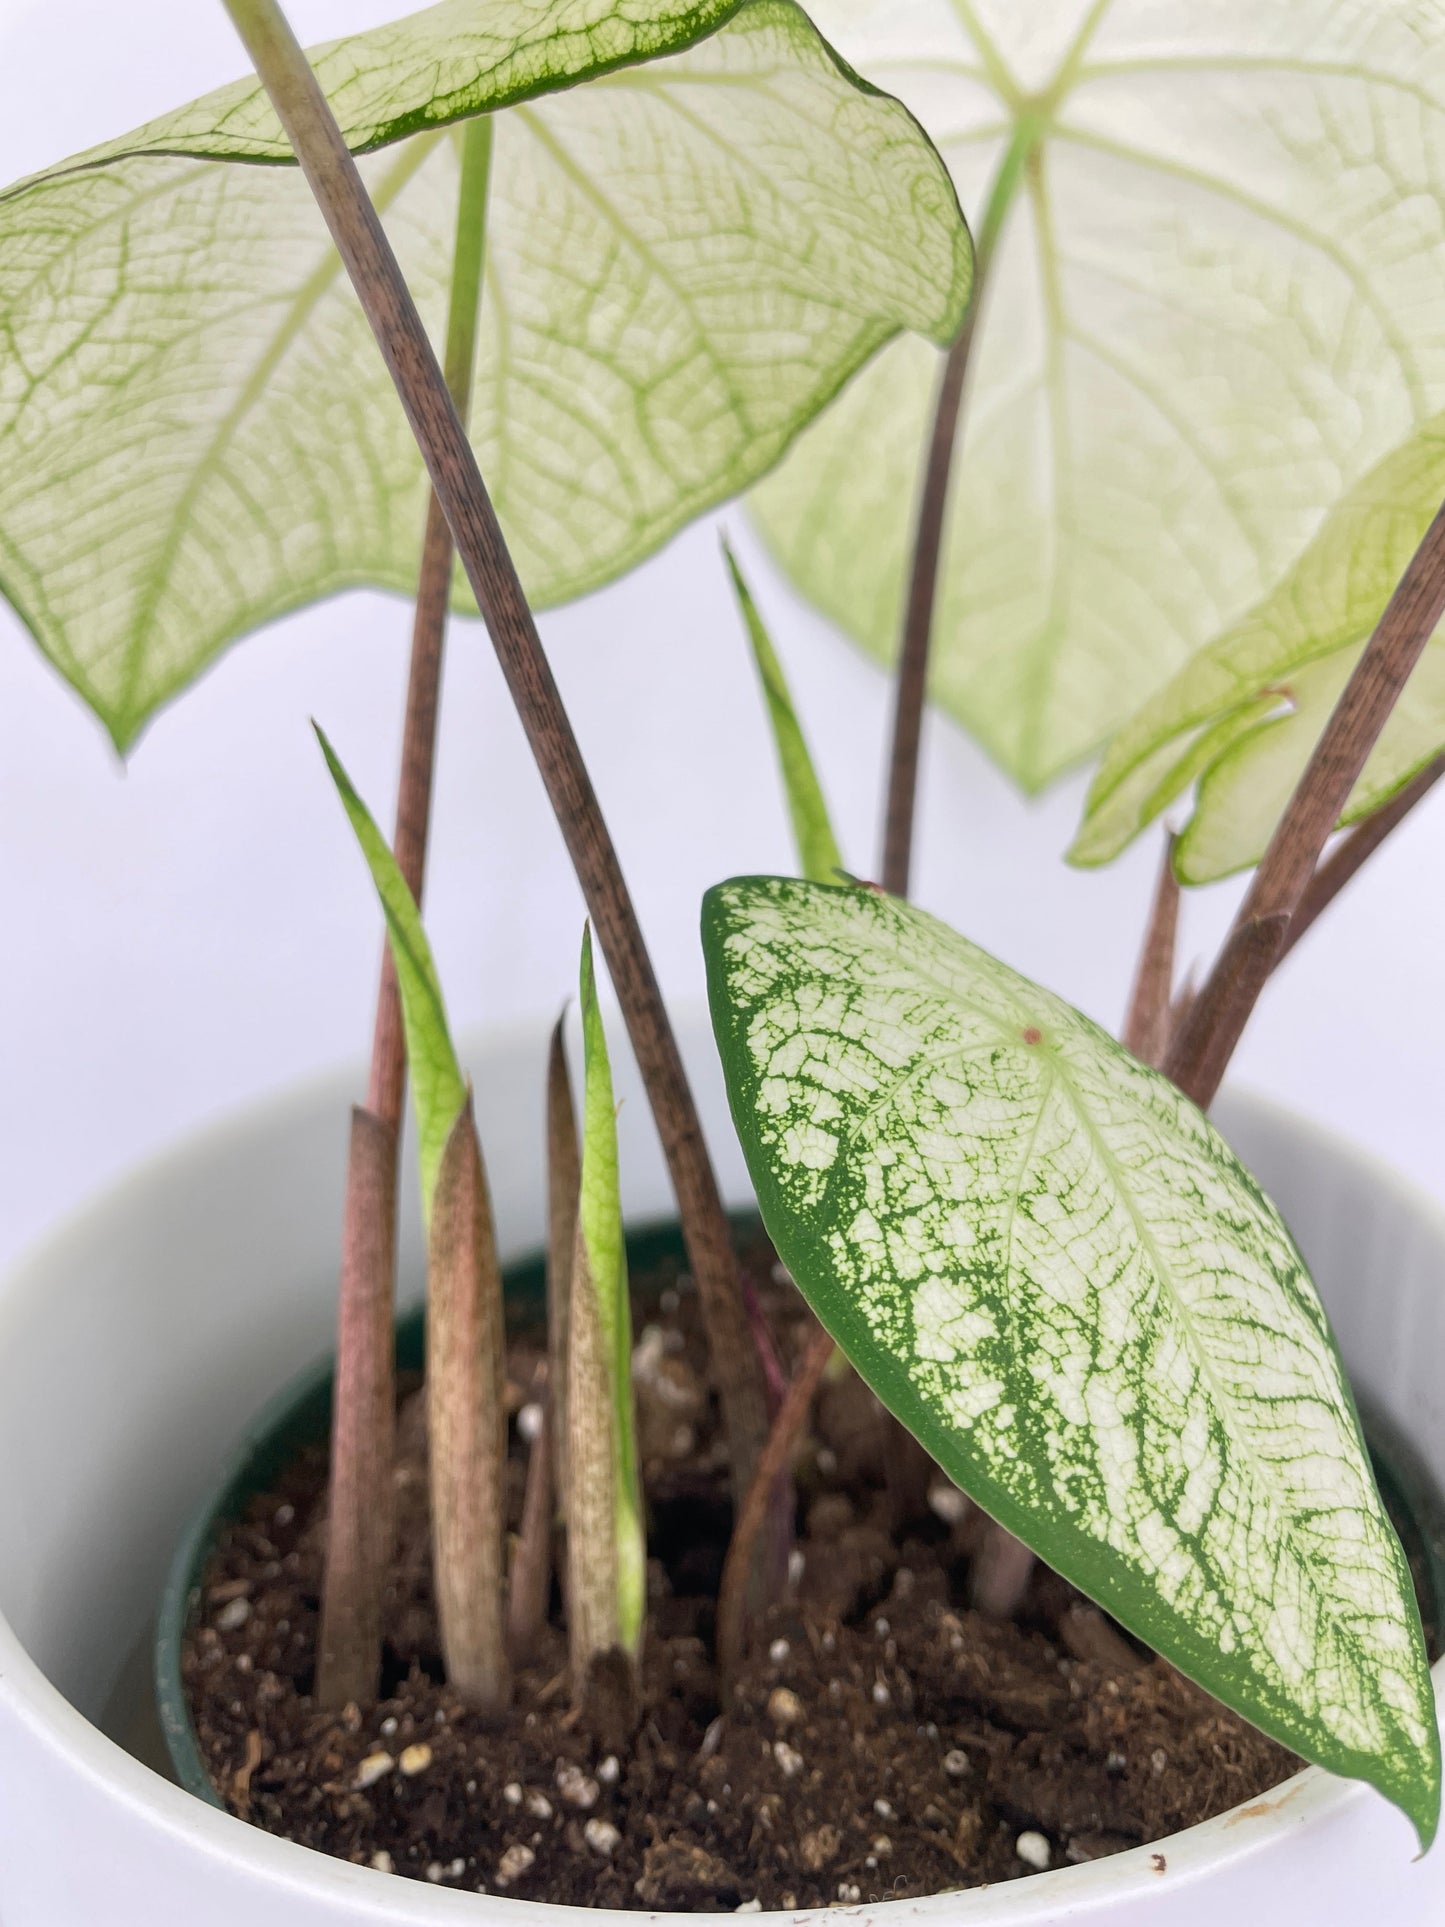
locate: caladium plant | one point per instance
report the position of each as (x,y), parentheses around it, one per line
(1031,1244)
(1047,1263)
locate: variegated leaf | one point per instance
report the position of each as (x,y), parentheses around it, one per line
(684,258)
(605,1273)
(1049,1265)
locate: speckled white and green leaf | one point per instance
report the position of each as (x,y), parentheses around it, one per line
(684,259)
(1242,718)
(600,1224)
(1218,300)
(438,1088)
(1048,1264)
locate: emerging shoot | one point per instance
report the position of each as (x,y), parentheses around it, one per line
(818,857)
(466,1432)
(606,1551)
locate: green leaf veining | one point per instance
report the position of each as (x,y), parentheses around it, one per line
(1216,303)
(1049,1265)
(685,258)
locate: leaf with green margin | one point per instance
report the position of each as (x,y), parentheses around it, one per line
(1048,1264)
(685,258)
(818,856)
(1242,718)
(439,1091)
(600,1220)
(1216,303)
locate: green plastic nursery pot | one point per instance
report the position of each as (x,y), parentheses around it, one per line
(300,1416)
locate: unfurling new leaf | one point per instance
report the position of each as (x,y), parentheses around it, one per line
(818,857)
(685,259)
(1048,1264)
(1241,719)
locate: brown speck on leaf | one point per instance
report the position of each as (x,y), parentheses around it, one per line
(1033,1035)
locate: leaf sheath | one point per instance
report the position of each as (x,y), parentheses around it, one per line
(466,1427)
(564,1178)
(1146,1027)
(360,1514)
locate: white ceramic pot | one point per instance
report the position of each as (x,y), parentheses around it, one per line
(137,1344)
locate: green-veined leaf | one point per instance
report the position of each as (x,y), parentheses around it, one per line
(600,1221)
(818,856)
(683,262)
(1242,717)
(439,1091)
(1217,301)
(1045,1260)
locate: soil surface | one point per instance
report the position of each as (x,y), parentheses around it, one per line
(883,1740)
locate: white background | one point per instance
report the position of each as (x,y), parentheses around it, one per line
(194,930)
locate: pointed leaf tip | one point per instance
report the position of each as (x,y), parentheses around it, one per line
(817,847)
(439,1090)
(1049,1265)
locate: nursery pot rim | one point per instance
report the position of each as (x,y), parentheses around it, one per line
(43,1711)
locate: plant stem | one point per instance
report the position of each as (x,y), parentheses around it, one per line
(564,1177)
(912,677)
(1200,1054)
(1002,1567)
(532,1562)
(594,1624)
(428,636)
(363,1425)
(466,1426)
(358,1527)
(394,321)
(911,686)
(1354,848)
(1146,1028)
(773,1464)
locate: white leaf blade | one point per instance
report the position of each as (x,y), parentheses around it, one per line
(1050,1266)
(1194,343)
(683,260)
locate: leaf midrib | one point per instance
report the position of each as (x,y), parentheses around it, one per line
(413,156)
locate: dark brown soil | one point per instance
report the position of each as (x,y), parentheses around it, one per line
(883,1740)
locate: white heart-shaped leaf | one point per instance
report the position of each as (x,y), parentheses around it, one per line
(684,259)
(1218,300)
(1242,718)
(1048,1264)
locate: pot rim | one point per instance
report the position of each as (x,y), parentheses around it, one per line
(1310,1797)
